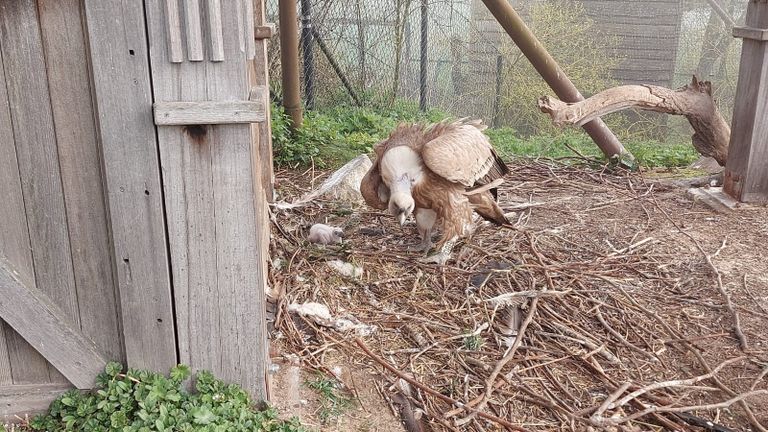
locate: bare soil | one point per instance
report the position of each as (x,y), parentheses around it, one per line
(629,297)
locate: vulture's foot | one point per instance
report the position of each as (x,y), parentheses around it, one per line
(423,246)
(439,258)
(442,256)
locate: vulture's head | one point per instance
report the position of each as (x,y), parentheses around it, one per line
(401,206)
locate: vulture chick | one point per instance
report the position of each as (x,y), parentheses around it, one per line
(325,234)
(430,171)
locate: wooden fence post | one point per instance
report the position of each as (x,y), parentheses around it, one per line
(746,176)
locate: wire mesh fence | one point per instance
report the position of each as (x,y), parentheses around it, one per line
(452,55)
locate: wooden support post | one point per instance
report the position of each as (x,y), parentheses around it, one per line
(548,68)
(289,61)
(746,176)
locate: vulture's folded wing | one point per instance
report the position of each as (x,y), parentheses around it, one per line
(374,191)
(462,153)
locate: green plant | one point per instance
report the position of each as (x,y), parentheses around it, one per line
(144,401)
(335,135)
(649,153)
(473,342)
(333,401)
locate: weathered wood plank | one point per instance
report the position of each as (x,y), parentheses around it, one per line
(6,377)
(173,31)
(215,31)
(38,164)
(14,237)
(48,329)
(746,176)
(250,38)
(258,75)
(80,163)
(120,71)
(209,112)
(210,202)
(751,33)
(194,30)
(32,399)
(266,31)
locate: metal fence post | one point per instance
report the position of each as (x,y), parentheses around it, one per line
(289,61)
(497,98)
(423,68)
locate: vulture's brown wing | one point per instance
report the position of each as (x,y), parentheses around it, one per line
(462,153)
(374,191)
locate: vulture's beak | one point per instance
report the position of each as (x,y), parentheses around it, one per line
(401,218)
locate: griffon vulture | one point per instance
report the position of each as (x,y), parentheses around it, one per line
(439,173)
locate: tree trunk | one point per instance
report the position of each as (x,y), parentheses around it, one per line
(694,101)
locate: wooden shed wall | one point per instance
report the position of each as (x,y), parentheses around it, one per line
(643,35)
(53,220)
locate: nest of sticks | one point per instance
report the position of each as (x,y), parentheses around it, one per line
(600,310)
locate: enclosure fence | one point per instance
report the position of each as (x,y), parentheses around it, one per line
(452,55)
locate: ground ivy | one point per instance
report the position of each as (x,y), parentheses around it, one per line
(144,401)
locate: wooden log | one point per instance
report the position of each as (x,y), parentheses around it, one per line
(694,101)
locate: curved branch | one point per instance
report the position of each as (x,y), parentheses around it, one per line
(694,101)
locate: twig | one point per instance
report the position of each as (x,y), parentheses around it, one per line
(656,409)
(621,338)
(491,381)
(434,393)
(673,383)
(728,303)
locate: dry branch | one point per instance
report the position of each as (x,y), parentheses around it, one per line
(432,392)
(694,101)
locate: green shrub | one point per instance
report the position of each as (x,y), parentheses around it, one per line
(143,401)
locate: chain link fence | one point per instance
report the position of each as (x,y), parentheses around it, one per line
(369,52)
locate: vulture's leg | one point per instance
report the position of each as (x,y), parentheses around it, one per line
(425,221)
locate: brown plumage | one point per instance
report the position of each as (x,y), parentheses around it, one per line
(430,171)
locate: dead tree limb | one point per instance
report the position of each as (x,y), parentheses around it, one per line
(694,101)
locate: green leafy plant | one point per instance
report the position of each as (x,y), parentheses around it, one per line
(144,401)
(333,401)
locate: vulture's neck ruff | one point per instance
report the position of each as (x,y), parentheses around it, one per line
(401,169)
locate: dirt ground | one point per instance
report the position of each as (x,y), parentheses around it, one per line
(625,259)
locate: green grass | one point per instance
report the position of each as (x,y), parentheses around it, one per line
(330,137)
(333,401)
(649,153)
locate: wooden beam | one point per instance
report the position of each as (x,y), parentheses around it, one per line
(746,178)
(123,94)
(209,112)
(750,33)
(19,400)
(266,31)
(41,323)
